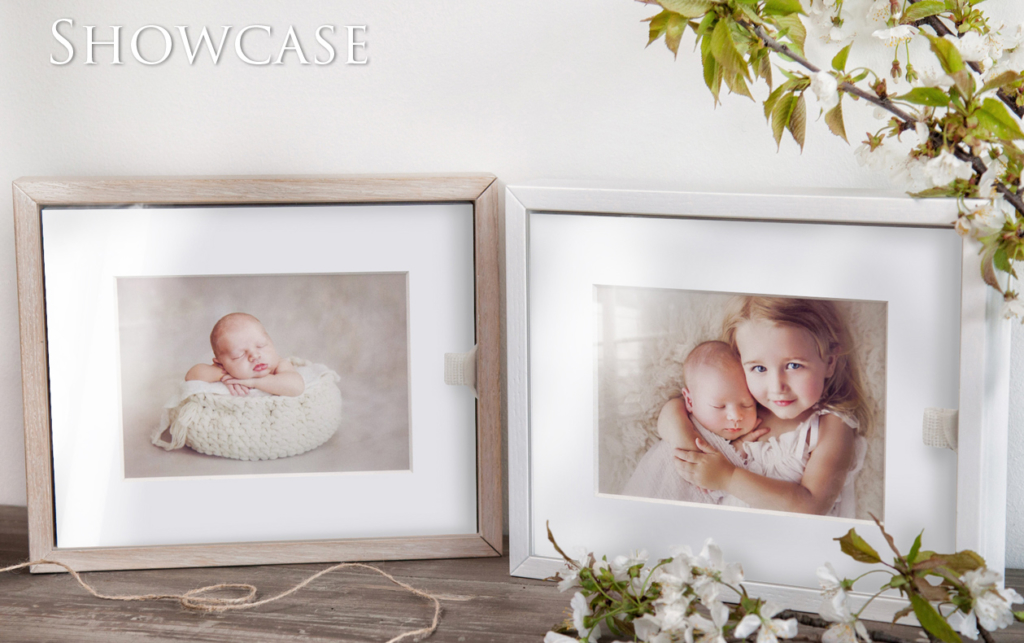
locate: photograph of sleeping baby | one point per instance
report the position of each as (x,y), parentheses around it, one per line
(267,374)
(772,403)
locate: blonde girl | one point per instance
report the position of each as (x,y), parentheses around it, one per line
(796,357)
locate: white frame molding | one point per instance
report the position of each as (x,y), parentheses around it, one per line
(984,350)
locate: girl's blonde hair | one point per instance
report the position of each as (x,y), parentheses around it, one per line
(844,391)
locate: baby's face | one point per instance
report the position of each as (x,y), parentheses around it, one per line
(245,351)
(718,398)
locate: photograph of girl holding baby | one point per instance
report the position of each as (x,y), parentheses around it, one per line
(745,401)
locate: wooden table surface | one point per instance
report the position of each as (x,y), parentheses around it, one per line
(481,602)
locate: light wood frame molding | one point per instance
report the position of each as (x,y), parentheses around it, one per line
(32,194)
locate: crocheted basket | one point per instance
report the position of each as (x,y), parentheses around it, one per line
(256,428)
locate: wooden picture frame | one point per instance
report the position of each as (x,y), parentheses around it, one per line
(629,230)
(32,195)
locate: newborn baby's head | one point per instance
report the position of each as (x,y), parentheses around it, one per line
(242,347)
(716,392)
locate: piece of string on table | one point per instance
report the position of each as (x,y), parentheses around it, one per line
(196,600)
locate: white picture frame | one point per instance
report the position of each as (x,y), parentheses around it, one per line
(976,516)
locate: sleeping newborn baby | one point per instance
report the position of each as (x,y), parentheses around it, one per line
(244,358)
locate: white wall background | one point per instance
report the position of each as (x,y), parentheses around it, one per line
(530,89)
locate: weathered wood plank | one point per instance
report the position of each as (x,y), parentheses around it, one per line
(481,603)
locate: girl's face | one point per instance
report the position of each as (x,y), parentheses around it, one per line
(783,369)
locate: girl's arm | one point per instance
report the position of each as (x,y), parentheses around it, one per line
(816,492)
(675,427)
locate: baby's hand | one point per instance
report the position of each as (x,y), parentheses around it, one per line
(706,468)
(235,387)
(754,435)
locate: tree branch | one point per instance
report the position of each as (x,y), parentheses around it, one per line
(941,30)
(977,164)
(849,88)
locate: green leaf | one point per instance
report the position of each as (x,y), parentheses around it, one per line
(931,193)
(688,8)
(794,27)
(706,25)
(903,612)
(782,7)
(922,10)
(738,86)
(857,548)
(765,70)
(930,96)
(834,120)
(915,548)
(930,592)
(932,621)
(994,117)
(712,71)
(769,103)
(839,62)
(1001,261)
(947,54)
(1002,80)
(964,82)
(657,26)
(674,32)
(724,49)
(781,115)
(1019,616)
(798,121)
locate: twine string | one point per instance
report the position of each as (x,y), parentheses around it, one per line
(198,600)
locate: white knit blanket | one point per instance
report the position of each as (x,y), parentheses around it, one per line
(207,418)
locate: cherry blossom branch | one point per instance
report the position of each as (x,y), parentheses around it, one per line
(941,30)
(977,165)
(847,87)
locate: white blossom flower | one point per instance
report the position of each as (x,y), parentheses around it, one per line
(825,87)
(580,609)
(555,637)
(769,629)
(846,633)
(716,574)
(711,630)
(931,77)
(568,578)
(668,623)
(946,167)
(987,182)
(846,626)
(992,603)
(674,578)
(1013,307)
(923,132)
(974,47)
(990,217)
(621,564)
(880,10)
(831,587)
(895,36)
(819,18)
